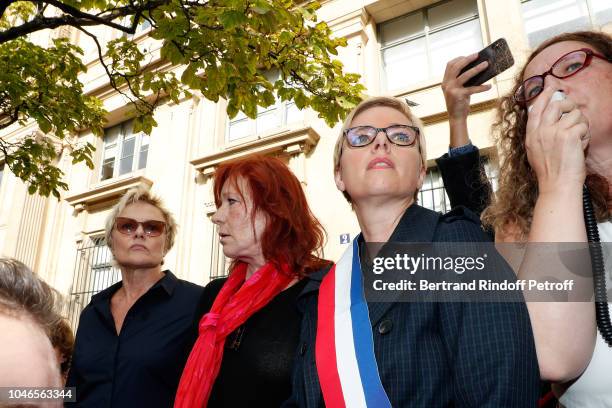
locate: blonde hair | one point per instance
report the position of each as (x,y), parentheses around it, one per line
(141,194)
(388,102)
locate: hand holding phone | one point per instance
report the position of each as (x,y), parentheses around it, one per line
(457,97)
(499,57)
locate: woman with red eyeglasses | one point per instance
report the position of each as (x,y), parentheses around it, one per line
(134,337)
(552,143)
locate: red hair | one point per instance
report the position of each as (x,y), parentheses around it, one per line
(292,234)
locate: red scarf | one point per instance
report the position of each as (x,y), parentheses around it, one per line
(235,303)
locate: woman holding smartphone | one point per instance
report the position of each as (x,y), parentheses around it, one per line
(550,149)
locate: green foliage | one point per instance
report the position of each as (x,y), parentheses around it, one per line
(42,84)
(225,46)
(33,163)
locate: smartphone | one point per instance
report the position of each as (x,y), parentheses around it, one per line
(499,57)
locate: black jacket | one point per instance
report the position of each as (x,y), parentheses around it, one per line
(435,354)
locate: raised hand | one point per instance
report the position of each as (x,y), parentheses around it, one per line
(457,97)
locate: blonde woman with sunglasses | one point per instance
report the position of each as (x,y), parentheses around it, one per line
(134,337)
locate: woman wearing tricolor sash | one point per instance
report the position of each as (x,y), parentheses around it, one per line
(354,353)
(249,329)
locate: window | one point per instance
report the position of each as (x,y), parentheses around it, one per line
(272,117)
(492,171)
(219,264)
(433,195)
(93,272)
(142,26)
(124,151)
(416,47)
(547,18)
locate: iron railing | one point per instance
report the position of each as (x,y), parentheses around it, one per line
(93,272)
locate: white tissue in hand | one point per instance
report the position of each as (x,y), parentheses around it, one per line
(557,96)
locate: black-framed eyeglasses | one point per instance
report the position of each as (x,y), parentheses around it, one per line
(151,228)
(566,66)
(401,135)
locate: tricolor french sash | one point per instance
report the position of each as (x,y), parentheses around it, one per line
(344,352)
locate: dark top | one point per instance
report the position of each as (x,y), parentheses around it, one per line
(435,354)
(142,366)
(463,181)
(258,356)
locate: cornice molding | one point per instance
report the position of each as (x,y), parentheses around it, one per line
(443,116)
(105,192)
(289,142)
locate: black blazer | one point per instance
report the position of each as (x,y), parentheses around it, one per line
(435,354)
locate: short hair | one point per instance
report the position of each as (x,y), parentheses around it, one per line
(293,234)
(23,294)
(141,194)
(384,101)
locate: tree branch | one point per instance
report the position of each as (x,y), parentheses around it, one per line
(12,118)
(111,77)
(76,18)
(107,20)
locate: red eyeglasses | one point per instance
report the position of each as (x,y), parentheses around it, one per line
(566,66)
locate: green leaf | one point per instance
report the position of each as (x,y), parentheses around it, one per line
(260,7)
(231,19)
(301,101)
(345,103)
(232,110)
(285,37)
(223,50)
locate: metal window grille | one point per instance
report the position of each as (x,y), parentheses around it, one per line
(433,194)
(93,272)
(218,261)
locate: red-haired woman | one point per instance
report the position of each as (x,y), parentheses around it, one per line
(250,330)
